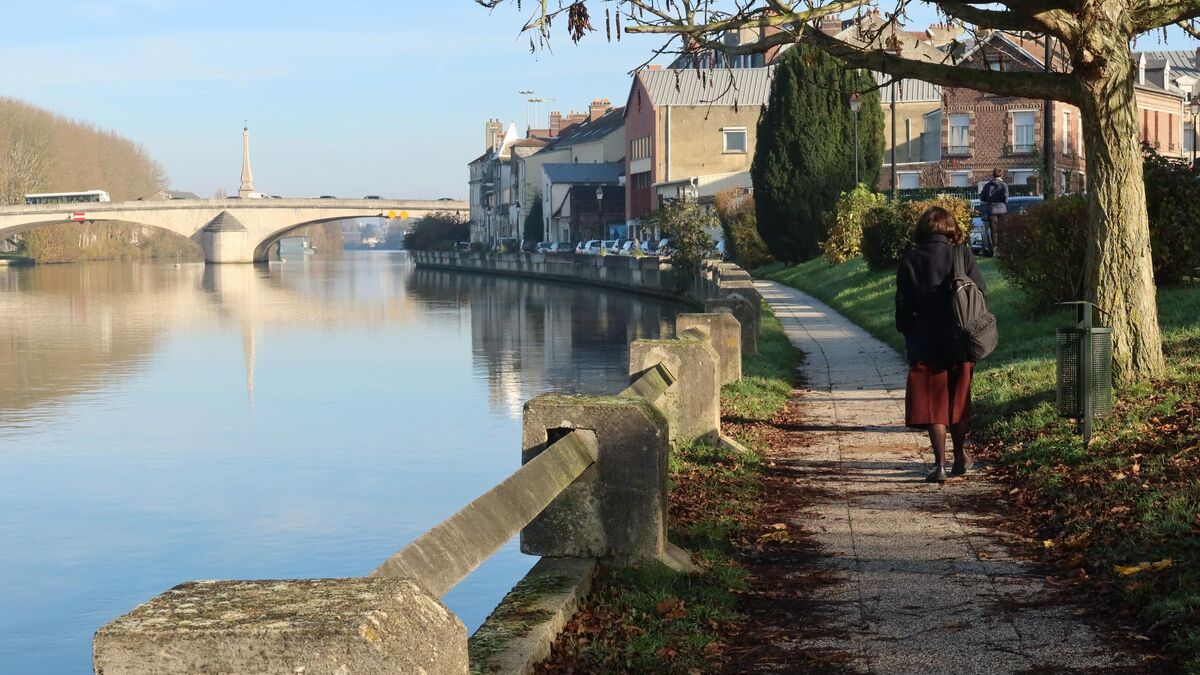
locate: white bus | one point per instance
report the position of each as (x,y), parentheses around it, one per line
(68,197)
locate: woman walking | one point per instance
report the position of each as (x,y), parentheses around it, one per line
(938,396)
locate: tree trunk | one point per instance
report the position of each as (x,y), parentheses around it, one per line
(1120,274)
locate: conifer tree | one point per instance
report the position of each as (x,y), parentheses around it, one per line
(804,156)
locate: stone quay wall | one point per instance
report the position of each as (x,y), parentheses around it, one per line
(592,487)
(716,286)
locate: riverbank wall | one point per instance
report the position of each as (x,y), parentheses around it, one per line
(715,286)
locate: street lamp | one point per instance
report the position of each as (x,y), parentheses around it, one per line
(855,104)
(1194,108)
(526,93)
(600,207)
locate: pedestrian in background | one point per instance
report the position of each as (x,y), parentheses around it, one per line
(938,392)
(994,195)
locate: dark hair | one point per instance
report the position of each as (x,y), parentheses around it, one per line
(937,220)
(996,173)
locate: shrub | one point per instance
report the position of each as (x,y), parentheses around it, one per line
(686,224)
(888,228)
(438,231)
(739,222)
(1173,201)
(844,225)
(1044,250)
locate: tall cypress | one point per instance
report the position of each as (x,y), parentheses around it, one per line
(804,157)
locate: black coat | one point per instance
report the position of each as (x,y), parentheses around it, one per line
(923,300)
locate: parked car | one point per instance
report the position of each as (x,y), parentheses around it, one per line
(463,246)
(719,249)
(372,197)
(609,245)
(590,247)
(505,245)
(561,248)
(543,247)
(663,250)
(981,243)
(528,246)
(327,197)
(627,249)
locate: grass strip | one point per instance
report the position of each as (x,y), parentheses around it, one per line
(651,618)
(1122,515)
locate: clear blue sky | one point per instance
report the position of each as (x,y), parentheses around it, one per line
(346,98)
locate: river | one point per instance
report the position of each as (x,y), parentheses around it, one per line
(163,423)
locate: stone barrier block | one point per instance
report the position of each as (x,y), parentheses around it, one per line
(617,509)
(746,289)
(366,626)
(747,316)
(693,403)
(724,335)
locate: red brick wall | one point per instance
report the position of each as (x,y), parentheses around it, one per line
(641,120)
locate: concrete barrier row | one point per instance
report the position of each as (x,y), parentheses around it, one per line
(593,485)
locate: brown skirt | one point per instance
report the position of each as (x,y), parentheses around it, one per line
(938,394)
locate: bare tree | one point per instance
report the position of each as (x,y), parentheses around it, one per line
(26,158)
(1094,35)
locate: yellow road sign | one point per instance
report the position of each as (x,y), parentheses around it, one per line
(404,215)
(391,215)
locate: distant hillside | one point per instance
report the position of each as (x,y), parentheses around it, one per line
(41,151)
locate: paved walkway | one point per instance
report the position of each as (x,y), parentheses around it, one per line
(922,586)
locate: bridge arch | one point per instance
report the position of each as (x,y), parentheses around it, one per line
(263,247)
(193,244)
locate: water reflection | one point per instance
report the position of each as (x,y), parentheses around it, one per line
(162,423)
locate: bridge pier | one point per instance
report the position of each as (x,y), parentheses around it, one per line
(226,240)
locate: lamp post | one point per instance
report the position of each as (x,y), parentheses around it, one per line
(600,209)
(526,93)
(855,104)
(1194,108)
(892,106)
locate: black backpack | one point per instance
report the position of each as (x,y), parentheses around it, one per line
(973,327)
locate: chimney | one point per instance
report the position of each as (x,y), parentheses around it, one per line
(492,133)
(1141,66)
(597,109)
(555,123)
(658,66)
(831,25)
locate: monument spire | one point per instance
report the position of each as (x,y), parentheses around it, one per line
(247,175)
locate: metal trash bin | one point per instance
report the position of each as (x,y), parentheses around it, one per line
(1084,369)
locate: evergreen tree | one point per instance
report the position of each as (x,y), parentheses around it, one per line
(804,157)
(534,228)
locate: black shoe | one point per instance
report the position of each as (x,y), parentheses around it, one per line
(938,475)
(960,469)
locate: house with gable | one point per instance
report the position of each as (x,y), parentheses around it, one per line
(689,132)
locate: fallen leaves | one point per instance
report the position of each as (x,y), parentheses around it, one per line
(670,609)
(1128,570)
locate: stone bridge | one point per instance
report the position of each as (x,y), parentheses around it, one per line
(229,230)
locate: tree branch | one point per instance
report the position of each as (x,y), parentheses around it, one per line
(1150,14)
(1057,22)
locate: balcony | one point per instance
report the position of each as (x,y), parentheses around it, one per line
(958,151)
(1021,149)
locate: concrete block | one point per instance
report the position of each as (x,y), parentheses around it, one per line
(365,626)
(518,634)
(746,289)
(693,403)
(747,316)
(617,509)
(724,335)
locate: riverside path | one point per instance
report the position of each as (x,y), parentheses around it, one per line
(920,584)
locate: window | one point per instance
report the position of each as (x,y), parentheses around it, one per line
(907,180)
(1023,134)
(735,139)
(960,142)
(1021,176)
(1066,182)
(960,178)
(639,148)
(1067,132)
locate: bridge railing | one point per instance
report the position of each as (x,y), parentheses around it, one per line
(592,486)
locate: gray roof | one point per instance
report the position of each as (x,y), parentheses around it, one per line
(1182,61)
(592,130)
(224,222)
(703,87)
(574,172)
(908,91)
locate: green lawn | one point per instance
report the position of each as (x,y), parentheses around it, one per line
(1132,497)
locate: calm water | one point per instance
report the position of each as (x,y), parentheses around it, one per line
(162,424)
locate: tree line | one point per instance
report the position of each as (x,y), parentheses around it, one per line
(41,151)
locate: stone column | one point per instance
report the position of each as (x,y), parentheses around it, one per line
(617,509)
(693,403)
(724,336)
(747,316)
